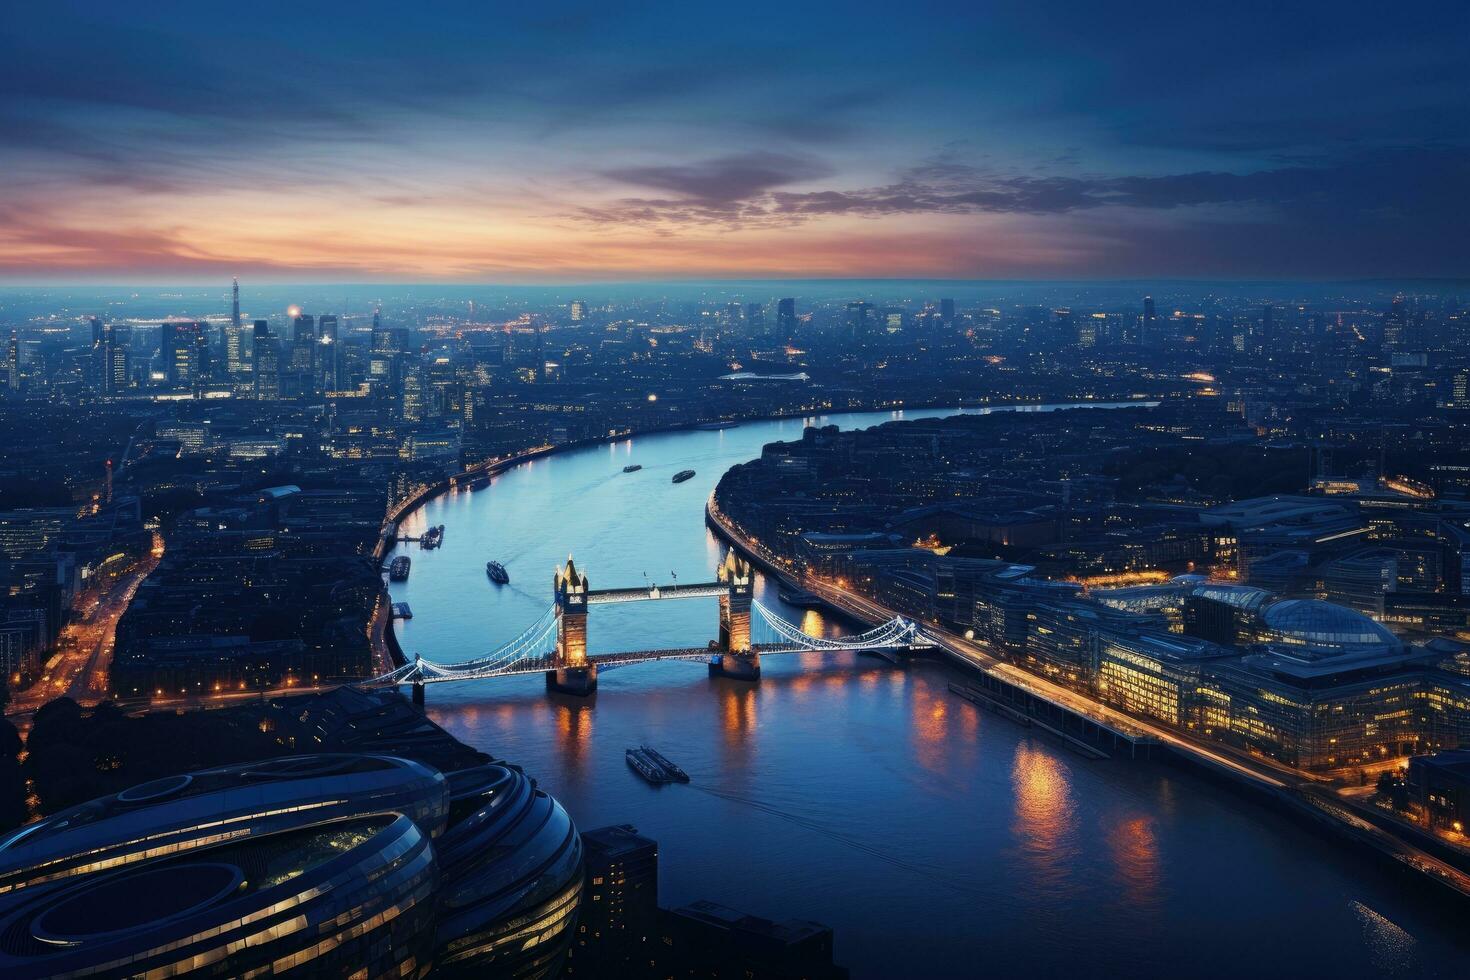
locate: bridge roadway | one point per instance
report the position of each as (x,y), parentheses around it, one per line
(701,590)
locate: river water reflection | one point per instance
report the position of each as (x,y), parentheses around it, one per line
(935,839)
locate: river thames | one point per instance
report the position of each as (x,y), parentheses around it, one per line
(935,839)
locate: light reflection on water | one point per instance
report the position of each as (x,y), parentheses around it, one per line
(936,838)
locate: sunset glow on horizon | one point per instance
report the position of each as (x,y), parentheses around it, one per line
(363,142)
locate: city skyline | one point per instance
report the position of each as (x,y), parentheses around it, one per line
(474,144)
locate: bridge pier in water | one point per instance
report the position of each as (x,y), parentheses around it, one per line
(736,659)
(577,681)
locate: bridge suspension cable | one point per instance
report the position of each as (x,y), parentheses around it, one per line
(898,631)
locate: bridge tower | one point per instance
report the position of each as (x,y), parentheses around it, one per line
(736,658)
(572,673)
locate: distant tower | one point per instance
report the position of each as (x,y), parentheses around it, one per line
(579,311)
(235,304)
(107,498)
(12,361)
(1146,335)
(572,674)
(786,320)
(377,318)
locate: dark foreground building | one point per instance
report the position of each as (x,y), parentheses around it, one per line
(331,865)
(619,921)
(709,940)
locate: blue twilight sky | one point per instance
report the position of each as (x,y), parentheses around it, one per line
(564,141)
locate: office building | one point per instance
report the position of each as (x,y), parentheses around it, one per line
(786,320)
(619,919)
(267,361)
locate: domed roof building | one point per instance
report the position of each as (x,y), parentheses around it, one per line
(1320,629)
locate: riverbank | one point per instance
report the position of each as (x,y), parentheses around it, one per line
(1298,794)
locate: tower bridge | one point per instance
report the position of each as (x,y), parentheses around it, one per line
(556,643)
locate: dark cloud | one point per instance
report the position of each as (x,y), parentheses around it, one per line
(724,179)
(1406,182)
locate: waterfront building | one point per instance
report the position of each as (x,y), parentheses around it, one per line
(705,939)
(322,863)
(318,862)
(1439,788)
(620,918)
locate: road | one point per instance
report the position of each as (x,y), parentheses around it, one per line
(1298,787)
(79,669)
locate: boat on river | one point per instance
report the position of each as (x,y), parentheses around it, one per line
(398,569)
(497,573)
(632,467)
(639,762)
(683,475)
(658,759)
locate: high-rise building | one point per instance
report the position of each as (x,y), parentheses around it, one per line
(1396,327)
(579,311)
(239,349)
(619,916)
(859,320)
(114,362)
(755,319)
(12,362)
(267,363)
(1146,334)
(184,349)
(328,355)
(946,312)
(96,323)
(235,303)
(786,320)
(413,395)
(303,347)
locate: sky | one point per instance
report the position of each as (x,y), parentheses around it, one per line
(329,141)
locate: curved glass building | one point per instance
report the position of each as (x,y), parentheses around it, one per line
(512,864)
(328,865)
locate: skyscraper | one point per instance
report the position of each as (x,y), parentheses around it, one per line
(328,355)
(755,319)
(946,312)
(184,349)
(267,363)
(114,362)
(579,311)
(235,305)
(12,361)
(303,348)
(1146,334)
(786,320)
